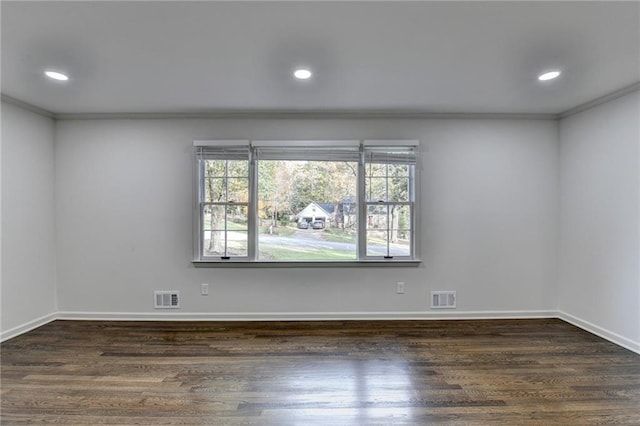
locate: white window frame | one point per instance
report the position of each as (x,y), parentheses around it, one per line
(201,203)
(363,146)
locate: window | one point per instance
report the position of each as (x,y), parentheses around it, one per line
(224,202)
(389,194)
(305,201)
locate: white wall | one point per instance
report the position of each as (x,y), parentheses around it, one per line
(124,221)
(28,228)
(599,276)
(497,198)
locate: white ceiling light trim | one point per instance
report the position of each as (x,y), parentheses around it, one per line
(55,75)
(549,75)
(302,73)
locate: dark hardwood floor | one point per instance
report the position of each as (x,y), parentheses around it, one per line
(507,372)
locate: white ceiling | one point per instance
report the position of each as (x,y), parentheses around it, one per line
(193,57)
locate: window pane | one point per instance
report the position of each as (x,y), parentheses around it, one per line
(213,217)
(237,230)
(220,190)
(237,243)
(213,243)
(377,242)
(214,190)
(238,168)
(214,168)
(388,230)
(388,182)
(400,235)
(377,216)
(375,169)
(401,217)
(307,210)
(225,234)
(398,189)
(237,218)
(238,190)
(398,170)
(377,230)
(376,189)
(400,248)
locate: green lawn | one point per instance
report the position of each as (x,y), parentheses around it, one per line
(237,226)
(276,252)
(231,226)
(339,236)
(283,231)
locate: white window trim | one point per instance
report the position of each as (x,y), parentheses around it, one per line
(222,142)
(362,259)
(347,143)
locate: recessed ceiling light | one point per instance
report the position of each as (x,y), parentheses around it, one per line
(56,75)
(302,74)
(548,75)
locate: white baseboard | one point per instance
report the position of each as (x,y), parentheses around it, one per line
(600,332)
(301,316)
(21,329)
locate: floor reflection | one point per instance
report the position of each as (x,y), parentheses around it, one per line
(357,391)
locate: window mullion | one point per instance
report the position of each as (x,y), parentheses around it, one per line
(226,206)
(198,217)
(412,233)
(412,204)
(252,211)
(361,240)
(389,225)
(389,207)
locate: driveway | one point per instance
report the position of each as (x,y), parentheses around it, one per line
(306,238)
(312,239)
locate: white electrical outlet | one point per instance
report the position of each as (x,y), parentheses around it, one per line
(204,289)
(400,287)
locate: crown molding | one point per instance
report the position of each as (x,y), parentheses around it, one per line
(601,100)
(321,114)
(25,105)
(306,114)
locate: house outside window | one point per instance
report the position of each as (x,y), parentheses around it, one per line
(305,201)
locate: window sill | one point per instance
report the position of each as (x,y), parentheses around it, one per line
(304,264)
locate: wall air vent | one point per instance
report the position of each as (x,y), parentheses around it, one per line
(167,299)
(443,299)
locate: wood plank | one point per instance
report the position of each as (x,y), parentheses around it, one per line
(498,372)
